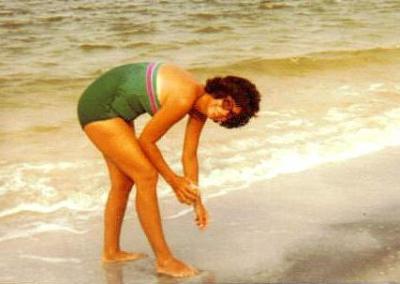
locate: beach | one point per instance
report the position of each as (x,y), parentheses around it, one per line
(306,192)
(336,223)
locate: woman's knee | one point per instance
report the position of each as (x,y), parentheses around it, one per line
(146,175)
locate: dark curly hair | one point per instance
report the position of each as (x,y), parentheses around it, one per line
(242,91)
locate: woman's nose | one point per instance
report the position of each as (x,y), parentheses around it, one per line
(224,112)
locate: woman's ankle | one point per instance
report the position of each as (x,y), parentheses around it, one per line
(110,251)
(164,259)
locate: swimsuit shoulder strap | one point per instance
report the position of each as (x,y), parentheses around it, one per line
(151,85)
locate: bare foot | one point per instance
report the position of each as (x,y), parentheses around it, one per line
(175,268)
(122,256)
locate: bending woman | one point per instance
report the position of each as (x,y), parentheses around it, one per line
(168,93)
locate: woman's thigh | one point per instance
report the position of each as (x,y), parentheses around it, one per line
(116,139)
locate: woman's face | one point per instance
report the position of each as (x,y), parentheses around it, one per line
(220,110)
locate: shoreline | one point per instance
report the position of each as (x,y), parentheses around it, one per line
(336,222)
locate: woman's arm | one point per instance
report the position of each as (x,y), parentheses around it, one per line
(190,164)
(173,110)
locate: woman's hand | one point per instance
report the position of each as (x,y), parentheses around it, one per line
(185,190)
(201,215)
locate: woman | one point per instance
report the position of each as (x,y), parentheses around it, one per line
(168,93)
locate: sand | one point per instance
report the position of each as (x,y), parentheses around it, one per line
(335,223)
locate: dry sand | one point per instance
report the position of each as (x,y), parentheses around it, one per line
(336,223)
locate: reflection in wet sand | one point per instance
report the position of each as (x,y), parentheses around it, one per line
(122,273)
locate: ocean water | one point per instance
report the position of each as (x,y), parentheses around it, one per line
(328,72)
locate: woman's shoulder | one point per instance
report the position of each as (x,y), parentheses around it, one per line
(175,71)
(175,79)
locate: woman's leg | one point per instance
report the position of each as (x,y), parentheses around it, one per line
(118,196)
(115,139)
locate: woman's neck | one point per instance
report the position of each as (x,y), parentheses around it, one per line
(202,103)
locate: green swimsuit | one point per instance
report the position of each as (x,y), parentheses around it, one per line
(126,91)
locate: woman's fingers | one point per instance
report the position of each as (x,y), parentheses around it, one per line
(180,197)
(206,220)
(190,195)
(201,219)
(186,191)
(191,190)
(183,199)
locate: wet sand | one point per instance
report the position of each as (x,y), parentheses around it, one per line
(336,223)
